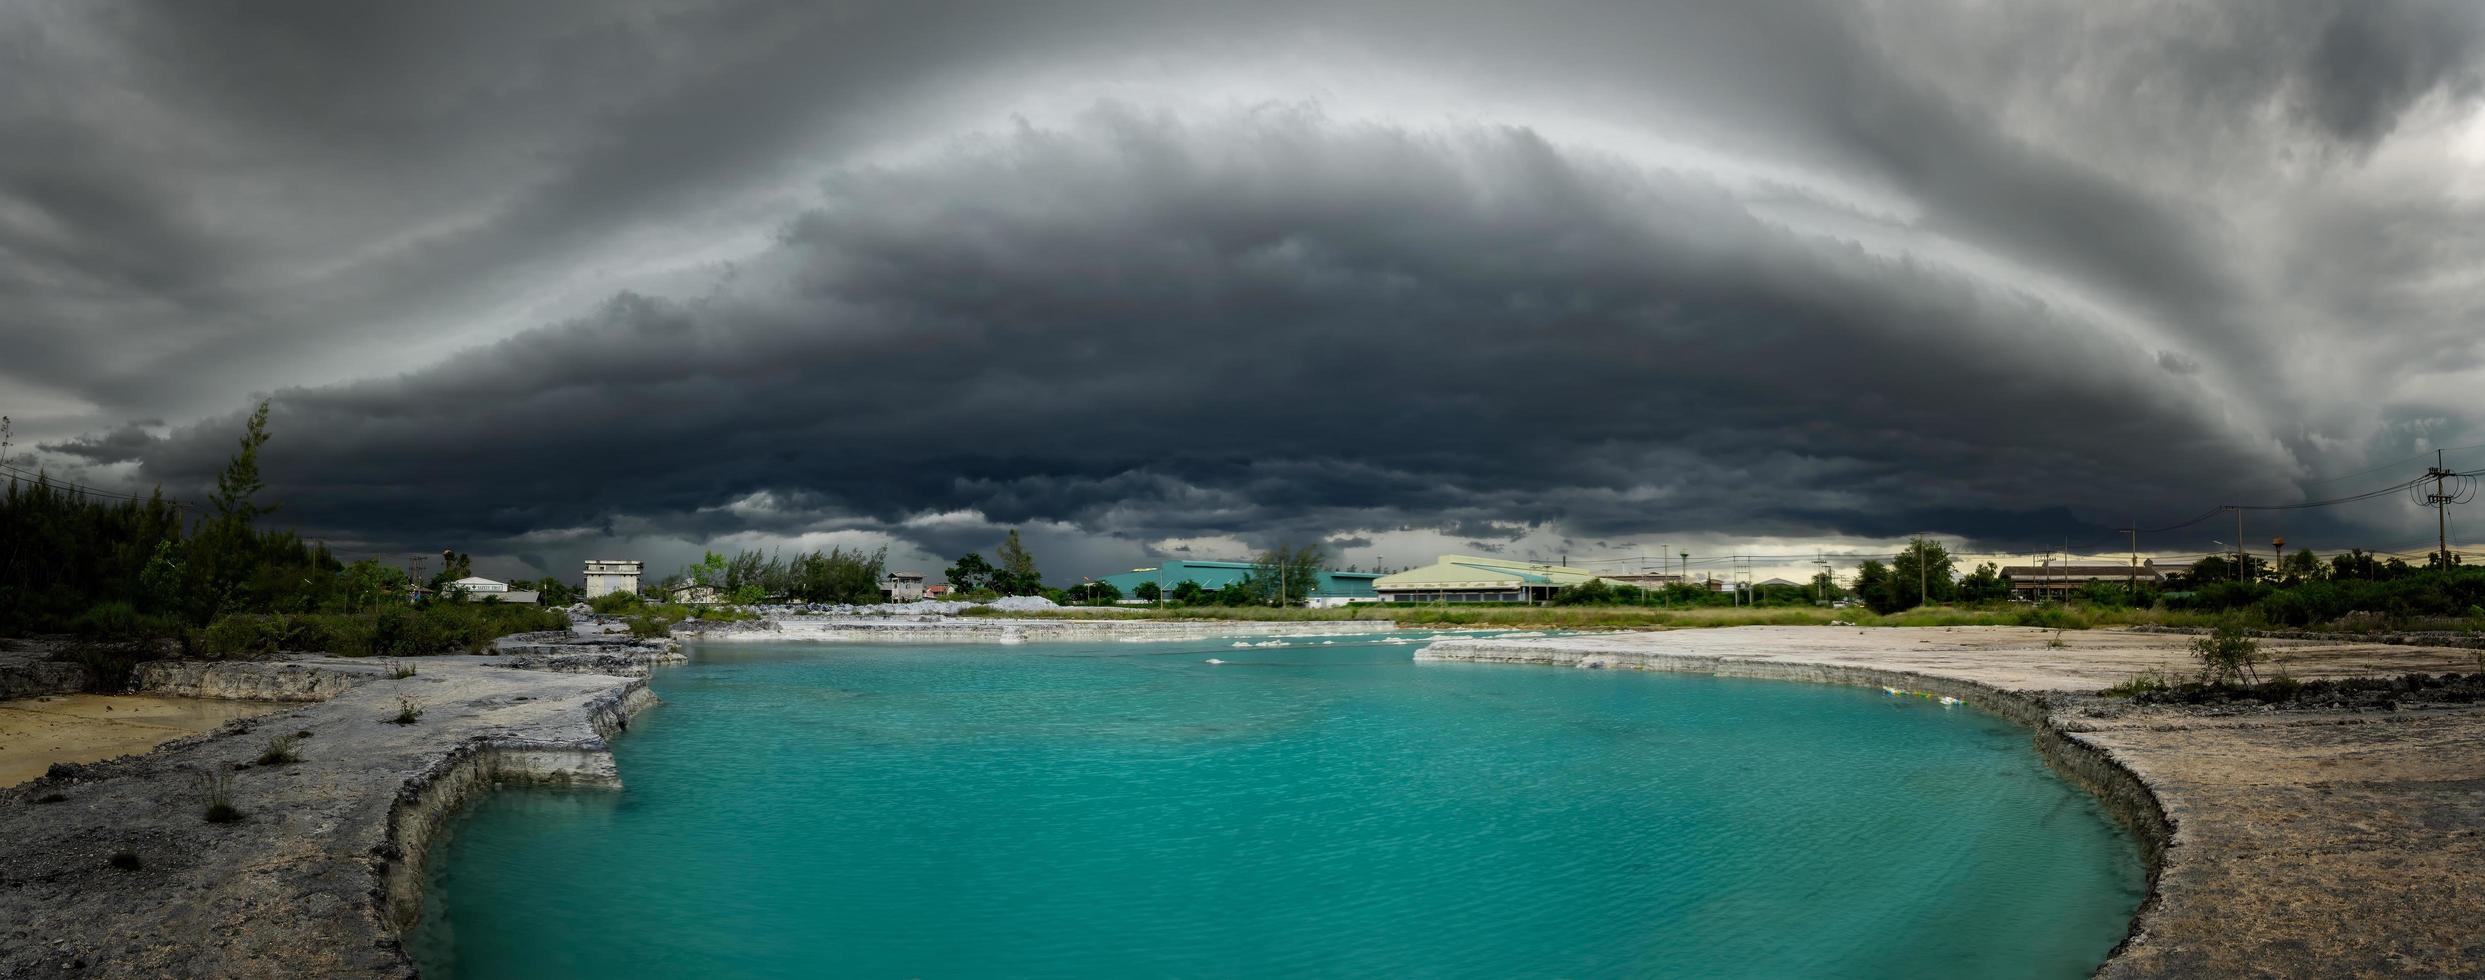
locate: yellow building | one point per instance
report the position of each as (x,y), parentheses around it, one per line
(1462,578)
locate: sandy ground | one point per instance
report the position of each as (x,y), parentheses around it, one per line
(2303,843)
(36,732)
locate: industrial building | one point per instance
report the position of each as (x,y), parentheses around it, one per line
(1464,578)
(1331,589)
(2056,580)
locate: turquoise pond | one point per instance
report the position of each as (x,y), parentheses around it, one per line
(1109,810)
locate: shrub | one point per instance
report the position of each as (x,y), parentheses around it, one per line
(398,669)
(2140,683)
(215,792)
(108,665)
(408,712)
(125,860)
(122,622)
(281,750)
(2054,618)
(242,636)
(2227,656)
(656,622)
(615,603)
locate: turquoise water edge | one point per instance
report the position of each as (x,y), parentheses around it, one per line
(1120,809)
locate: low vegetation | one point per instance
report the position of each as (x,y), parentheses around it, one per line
(408,712)
(398,669)
(215,794)
(283,750)
(402,631)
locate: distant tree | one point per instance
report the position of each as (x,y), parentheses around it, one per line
(709,572)
(2302,566)
(840,576)
(1097,593)
(1593,592)
(1148,591)
(2221,568)
(1017,574)
(1825,586)
(1874,585)
(1921,571)
(1189,593)
(1985,584)
(225,550)
(2354,565)
(971,573)
(1285,575)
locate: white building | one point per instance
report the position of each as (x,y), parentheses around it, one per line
(902,587)
(480,589)
(606,577)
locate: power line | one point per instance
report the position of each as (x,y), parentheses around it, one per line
(80,488)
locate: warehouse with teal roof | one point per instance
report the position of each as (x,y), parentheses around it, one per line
(1332,588)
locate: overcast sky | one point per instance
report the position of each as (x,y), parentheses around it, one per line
(541,281)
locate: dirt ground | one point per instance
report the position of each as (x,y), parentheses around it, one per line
(36,732)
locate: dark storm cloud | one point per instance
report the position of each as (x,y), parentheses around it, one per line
(1159,328)
(126,444)
(1850,269)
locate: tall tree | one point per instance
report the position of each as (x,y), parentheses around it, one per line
(970,574)
(1872,584)
(225,551)
(1921,573)
(1017,575)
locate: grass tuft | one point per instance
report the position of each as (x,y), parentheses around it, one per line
(215,793)
(408,712)
(281,750)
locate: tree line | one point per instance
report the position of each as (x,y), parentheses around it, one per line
(143,576)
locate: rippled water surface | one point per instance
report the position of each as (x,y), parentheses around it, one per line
(1128,810)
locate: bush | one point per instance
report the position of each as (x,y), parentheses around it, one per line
(120,621)
(281,750)
(408,712)
(651,625)
(108,665)
(2049,617)
(2227,656)
(2144,682)
(242,637)
(615,603)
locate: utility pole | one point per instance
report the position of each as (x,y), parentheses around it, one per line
(2441,508)
(2240,559)
(1924,583)
(2132,587)
(2277,558)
